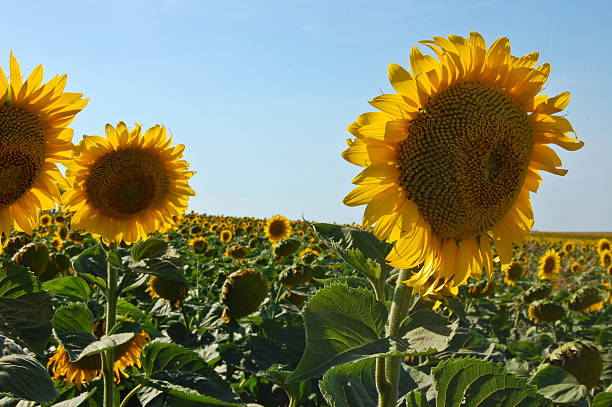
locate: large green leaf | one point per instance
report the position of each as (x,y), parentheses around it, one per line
(183,373)
(70,287)
(426,331)
(353,384)
(603,399)
(23,377)
(92,261)
(471,382)
(76,401)
(558,385)
(25,310)
(416,399)
(148,249)
(359,248)
(73,326)
(133,312)
(342,325)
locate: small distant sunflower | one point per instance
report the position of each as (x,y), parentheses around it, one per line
(127,185)
(606,259)
(277,228)
(45,220)
(57,242)
(34,120)
(576,268)
(225,235)
(603,245)
(451,158)
(550,264)
(89,367)
(513,273)
(236,251)
(569,247)
(309,255)
(198,244)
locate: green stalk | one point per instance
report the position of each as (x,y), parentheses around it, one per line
(387,396)
(129,396)
(108,356)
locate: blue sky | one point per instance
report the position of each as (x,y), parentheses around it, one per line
(261,92)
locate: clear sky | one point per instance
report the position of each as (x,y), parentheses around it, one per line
(261,92)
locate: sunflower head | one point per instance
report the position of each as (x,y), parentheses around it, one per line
(277,228)
(226,235)
(167,289)
(34,120)
(586,299)
(15,243)
(569,247)
(581,359)
(514,272)
(236,251)
(550,264)
(287,247)
(536,293)
(198,244)
(88,368)
(451,157)
(195,229)
(481,289)
(128,184)
(243,292)
(606,259)
(547,311)
(45,220)
(603,245)
(309,255)
(296,274)
(35,256)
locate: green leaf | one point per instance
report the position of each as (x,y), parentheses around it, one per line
(183,373)
(603,399)
(133,312)
(342,325)
(170,268)
(91,261)
(470,382)
(416,399)
(296,391)
(25,310)
(558,385)
(76,401)
(23,377)
(71,287)
(353,384)
(359,248)
(73,326)
(148,249)
(530,351)
(426,331)
(104,343)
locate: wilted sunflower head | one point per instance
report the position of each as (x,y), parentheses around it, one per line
(586,299)
(34,120)
(128,184)
(309,255)
(277,228)
(88,368)
(581,359)
(236,251)
(550,264)
(603,245)
(167,289)
(547,311)
(450,158)
(243,292)
(225,235)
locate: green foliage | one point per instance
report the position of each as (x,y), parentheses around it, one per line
(342,325)
(91,265)
(183,373)
(25,309)
(426,331)
(470,382)
(359,248)
(603,399)
(70,287)
(558,385)
(149,248)
(23,377)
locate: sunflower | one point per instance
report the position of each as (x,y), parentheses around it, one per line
(277,228)
(57,242)
(569,247)
(606,259)
(603,245)
(514,271)
(550,264)
(451,158)
(45,220)
(88,368)
(198,244)
(127,185)
(225,235)
(171,290)
(34,120)
(576,268)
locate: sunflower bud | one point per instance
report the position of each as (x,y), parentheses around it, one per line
(35,256)
(286,247)
(581,359)
(243,292)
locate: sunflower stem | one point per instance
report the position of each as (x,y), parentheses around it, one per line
(108,356)
(554,331)
(387,394)
(129,396)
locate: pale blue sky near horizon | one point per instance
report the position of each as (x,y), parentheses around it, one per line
(261,92)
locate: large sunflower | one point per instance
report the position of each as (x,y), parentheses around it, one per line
(127,185)
(451,158)
(34,136)
(277,228)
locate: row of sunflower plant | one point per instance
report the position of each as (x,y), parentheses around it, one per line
(410,307)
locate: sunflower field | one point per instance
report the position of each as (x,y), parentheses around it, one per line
(113,293)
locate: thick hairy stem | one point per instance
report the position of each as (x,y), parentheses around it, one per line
(108,356)
(399,310)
